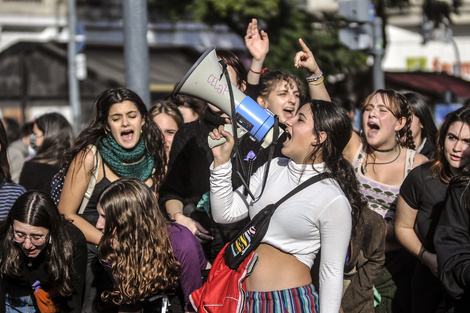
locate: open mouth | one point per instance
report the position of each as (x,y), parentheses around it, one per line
(30,252)
(127,135)
(288,112)
(288,137)
(373,128)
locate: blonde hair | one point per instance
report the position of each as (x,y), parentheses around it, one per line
(169,108)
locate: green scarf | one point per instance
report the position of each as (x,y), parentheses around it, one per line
(136,162)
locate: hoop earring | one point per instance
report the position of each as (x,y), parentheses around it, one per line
(398,137)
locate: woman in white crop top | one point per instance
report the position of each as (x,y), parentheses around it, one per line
(319,216)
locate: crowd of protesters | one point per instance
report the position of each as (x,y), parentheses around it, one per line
(138,214)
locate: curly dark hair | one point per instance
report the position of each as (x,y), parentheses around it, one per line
(37,209)
(96,130)
(135,243)
(270,79)
(333,120)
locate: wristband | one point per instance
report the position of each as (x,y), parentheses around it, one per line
(311,79)
(317,82)
(260,72)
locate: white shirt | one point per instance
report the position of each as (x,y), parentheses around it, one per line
(319,215)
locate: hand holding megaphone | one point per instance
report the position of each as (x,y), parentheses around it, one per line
(222,151)
(213,142)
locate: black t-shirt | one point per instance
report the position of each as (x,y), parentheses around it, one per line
(425,193)
(37,272)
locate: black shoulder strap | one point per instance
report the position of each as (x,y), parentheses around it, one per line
(270,157)
(303,185)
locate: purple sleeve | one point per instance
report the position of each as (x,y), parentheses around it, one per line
(189,253)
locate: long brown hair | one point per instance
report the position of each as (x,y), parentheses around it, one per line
(332,119)
(135,243)
(95,131)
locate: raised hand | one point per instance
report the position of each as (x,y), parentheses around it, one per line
(305,59)
(257,42)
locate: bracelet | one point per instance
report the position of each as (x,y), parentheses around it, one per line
(315,78)
(260,72)
(421,255)
(317,82)
(173,217)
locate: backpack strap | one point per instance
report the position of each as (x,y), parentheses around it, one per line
(94,178)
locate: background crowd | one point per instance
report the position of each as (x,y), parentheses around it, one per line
(143,207)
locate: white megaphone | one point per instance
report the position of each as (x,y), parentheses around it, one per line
(205,81)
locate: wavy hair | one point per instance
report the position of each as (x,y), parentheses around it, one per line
(270,79)
(96,130)
(58,137)
(135,243)
(399,106)
(4,165)
(335,122)
(440,166)
(37,209)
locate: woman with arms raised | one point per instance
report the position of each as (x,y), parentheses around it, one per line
(318,216)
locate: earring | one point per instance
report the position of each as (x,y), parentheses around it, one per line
(106,131)
(398,137)
(141,131)
(50,240)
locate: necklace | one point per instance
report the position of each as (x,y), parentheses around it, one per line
(364,170)
(383,151)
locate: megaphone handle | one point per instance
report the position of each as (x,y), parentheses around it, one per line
(228,128)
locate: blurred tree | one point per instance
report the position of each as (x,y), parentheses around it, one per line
(285,21)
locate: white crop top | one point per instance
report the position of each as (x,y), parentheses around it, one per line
(319,215)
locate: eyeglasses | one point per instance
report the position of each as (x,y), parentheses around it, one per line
(36,240)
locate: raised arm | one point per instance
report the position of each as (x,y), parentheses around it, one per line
(305,59)
(258,44)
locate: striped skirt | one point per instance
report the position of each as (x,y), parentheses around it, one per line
(296,300)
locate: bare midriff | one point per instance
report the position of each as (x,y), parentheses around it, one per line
(277,270)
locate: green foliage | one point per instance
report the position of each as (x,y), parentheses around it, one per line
(285,21)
